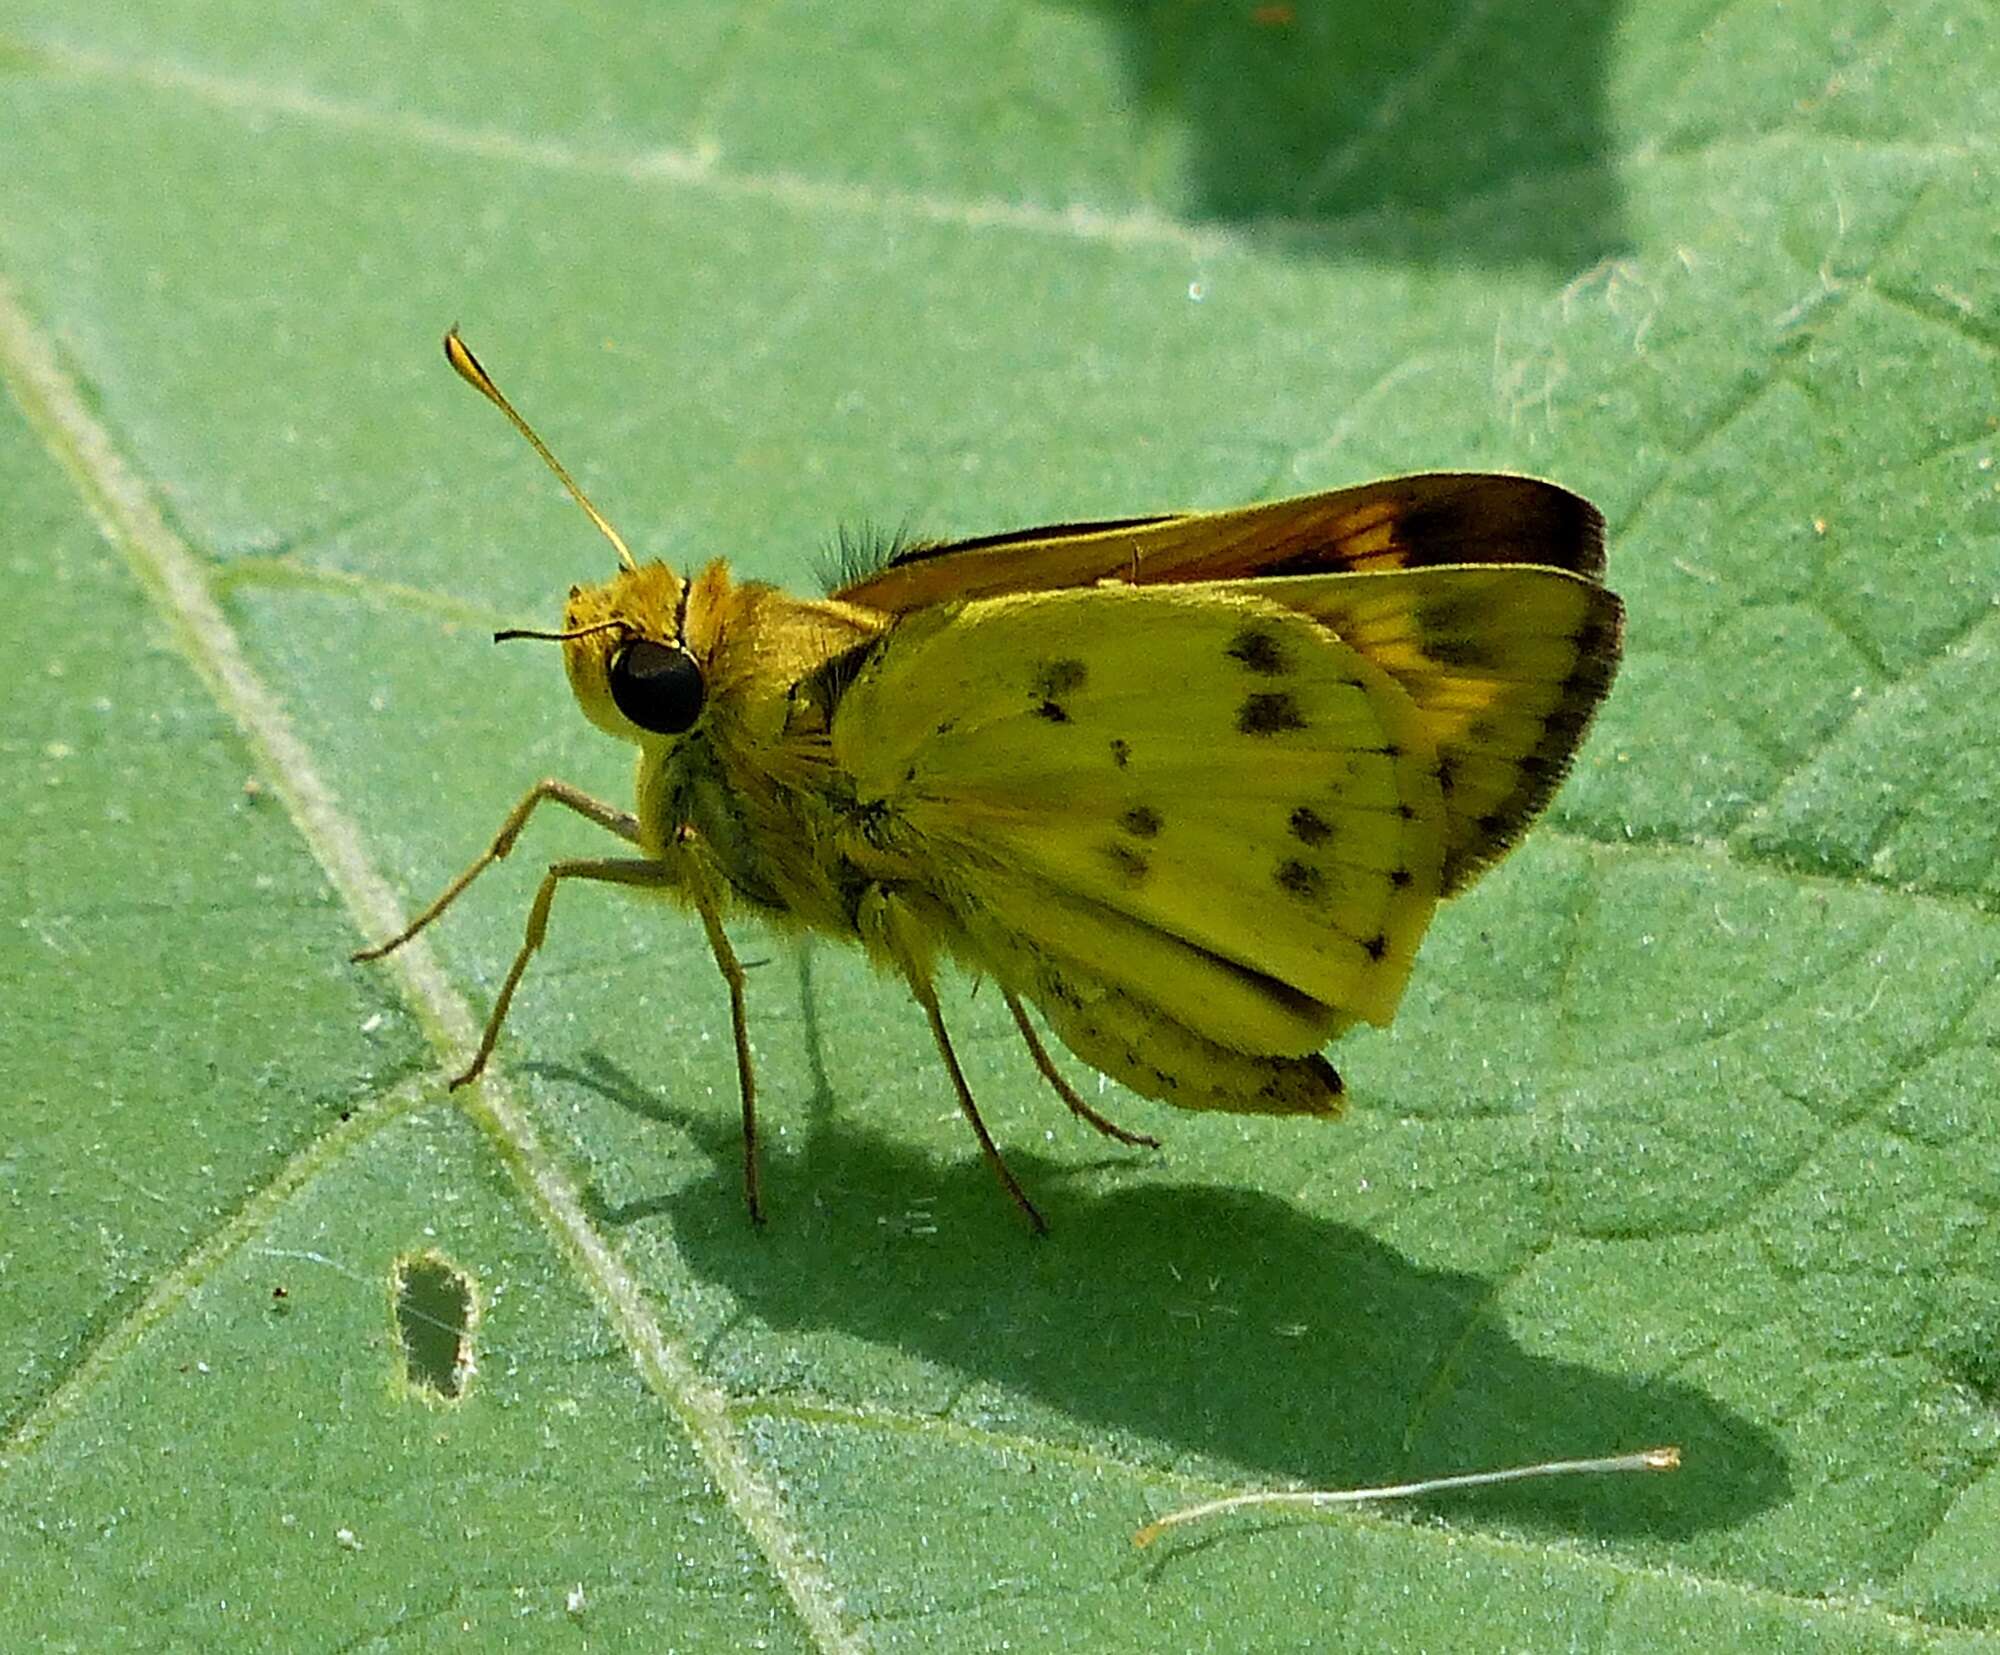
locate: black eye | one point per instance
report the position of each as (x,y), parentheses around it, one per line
(657,686)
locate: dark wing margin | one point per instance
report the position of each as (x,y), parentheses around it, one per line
(857,556)
(1020,537)
(1600,643)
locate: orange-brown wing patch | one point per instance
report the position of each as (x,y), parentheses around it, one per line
(1399,523)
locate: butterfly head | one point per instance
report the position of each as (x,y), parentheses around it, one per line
(626,651)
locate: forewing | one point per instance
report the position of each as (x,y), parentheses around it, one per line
(1205,799)
(1398,523)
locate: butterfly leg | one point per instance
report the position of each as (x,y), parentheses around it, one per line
(620,822)
(894,929)
(692,879)
(1063,1089)
(637,871)
(926,998)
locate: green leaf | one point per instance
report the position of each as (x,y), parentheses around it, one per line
(1685,1134)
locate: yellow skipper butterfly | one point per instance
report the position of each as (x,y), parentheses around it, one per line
(1190,785)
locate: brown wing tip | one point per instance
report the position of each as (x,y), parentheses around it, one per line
(1432,518)
(1491,517)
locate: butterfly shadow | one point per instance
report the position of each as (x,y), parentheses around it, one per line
(1216,1322)
(1431,131)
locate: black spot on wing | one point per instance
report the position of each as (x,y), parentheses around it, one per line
(1309,827)
(1463,650)
(1063,677)
(1258,650)
(1269,715)
(1376,946)
(1142,821)
(1131,866)
(1054,679)
(1121,751)
(1301,880)
(1449,614)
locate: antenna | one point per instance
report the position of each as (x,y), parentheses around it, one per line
(467,367)
(513,632)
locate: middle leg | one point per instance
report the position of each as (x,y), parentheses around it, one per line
(1063,1089)
(894,928)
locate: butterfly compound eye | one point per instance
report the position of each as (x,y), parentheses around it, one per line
(657,686)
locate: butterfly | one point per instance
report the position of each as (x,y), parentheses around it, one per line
(1189,785)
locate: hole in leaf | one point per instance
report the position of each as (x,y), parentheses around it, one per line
(436,1313)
